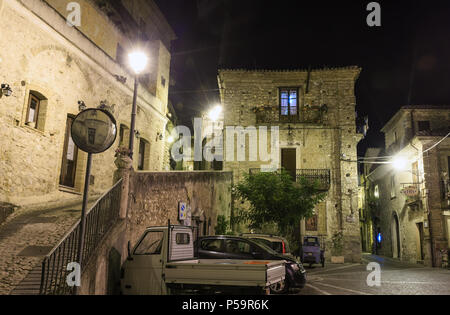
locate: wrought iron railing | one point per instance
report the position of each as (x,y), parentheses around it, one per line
(311,115)
(99,220)
(320,176)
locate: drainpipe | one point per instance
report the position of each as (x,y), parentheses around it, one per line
(430,230)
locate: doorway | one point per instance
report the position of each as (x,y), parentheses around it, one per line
(289,161)
(395,230)
(419,241)
(69,158)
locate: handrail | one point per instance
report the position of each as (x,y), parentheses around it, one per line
(99,219)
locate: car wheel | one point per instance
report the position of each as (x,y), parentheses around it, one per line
(279,287)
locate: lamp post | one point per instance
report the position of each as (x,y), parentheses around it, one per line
(138,62)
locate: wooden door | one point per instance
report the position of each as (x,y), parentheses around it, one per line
(289,161)
(69,158)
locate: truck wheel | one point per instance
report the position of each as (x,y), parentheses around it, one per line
(279,288)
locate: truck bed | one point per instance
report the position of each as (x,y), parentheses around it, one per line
(252,273)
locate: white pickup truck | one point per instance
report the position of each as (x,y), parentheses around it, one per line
(162,262)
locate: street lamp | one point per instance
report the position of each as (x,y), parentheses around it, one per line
(138,61)
(214,113)
(399,163)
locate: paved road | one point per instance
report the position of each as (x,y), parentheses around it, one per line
(396,279)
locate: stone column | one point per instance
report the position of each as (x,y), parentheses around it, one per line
(124,168)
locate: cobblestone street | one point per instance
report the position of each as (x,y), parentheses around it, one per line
(26,237)
(396,279)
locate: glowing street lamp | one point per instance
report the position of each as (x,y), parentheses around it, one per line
(138,61)
(214,113)
(399,163)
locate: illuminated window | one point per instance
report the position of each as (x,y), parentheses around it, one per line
(289,101)
(376,192)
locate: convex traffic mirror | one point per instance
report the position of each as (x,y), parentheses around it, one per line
(94,130)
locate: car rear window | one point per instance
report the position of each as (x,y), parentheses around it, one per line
(212,245)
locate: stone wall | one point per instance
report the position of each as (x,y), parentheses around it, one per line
(153,200)
(323,139)
(60,64)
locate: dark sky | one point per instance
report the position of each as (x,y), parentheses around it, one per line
(406,60)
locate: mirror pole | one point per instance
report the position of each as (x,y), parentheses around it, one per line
(83,214)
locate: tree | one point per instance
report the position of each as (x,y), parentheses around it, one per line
(276,198)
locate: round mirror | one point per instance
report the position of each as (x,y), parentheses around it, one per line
(94,130)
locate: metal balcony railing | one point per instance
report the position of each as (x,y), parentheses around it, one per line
(99,220)
(320,176)
(270,115)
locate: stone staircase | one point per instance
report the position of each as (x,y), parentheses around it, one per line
(26,237)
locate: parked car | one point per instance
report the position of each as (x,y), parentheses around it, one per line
(239,248)
(277,243)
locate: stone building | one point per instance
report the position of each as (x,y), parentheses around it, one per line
(51,65)
(412,189)
(315,113)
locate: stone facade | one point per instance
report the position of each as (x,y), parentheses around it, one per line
(323,134)
(154,199)
(61,65)
(413,208)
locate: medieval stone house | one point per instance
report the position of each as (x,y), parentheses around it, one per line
(411,195)
(51,66)
(315,113)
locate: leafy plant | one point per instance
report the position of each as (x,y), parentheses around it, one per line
(338,244)
(223,225)
(276,198)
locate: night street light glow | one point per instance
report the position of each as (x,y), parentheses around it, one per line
(399,163)
(214,114)
(138,61)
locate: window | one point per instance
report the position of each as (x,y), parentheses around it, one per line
(124,133)
(182,238)
(163,81)
(36,111)
(423,126)
(289,101)
(33,110)
(151,244)
(237,247)
(143,146)
(376,192)
(212,245)
(120,55)
(393,186)
(311,223)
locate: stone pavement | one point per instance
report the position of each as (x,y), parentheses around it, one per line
(397,278)
(25,228)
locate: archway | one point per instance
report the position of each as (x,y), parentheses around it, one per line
(395,232)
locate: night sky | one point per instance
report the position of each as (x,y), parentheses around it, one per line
(405,61)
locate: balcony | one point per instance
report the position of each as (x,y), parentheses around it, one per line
(307,115)
(320,176)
